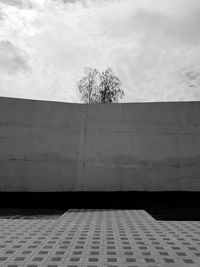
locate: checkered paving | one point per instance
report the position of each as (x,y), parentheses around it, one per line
(99,238)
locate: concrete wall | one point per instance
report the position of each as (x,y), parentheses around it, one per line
(50,146)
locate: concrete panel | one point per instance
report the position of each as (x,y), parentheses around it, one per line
(51,146)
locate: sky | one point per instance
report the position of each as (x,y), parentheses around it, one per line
(153,46)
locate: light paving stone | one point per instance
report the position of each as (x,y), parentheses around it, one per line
(94,238)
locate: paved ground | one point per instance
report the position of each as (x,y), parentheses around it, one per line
(94,238)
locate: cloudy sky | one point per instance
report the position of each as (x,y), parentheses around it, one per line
(152,45)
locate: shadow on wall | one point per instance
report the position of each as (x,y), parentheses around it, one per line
(97,200)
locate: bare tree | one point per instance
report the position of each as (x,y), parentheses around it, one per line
(88,86)
(96,87)
(110,87)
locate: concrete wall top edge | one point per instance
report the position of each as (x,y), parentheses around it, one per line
(124,103)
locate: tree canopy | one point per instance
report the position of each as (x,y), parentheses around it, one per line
(100,87)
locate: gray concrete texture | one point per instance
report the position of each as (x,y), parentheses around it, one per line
(51,146)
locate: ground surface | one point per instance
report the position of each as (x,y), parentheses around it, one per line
(94,238)
(175,212)
(31,214)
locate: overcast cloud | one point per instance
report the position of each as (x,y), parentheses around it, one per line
(152,45)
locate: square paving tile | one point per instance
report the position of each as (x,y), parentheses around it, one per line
(94,238)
